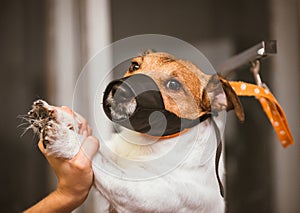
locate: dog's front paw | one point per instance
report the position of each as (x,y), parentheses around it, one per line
(61,130)
(48,135)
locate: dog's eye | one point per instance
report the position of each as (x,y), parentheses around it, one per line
(173,85)
(134,66)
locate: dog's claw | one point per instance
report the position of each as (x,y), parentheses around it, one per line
(38,103)
(50,123)
(45,137)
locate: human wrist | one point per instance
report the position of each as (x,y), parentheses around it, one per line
(65,203)
(71,198)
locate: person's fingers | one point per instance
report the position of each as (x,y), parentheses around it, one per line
(44,152)
(88,148)
(80,117)
(82,122)
(68,110)
(89,131)
(41,146)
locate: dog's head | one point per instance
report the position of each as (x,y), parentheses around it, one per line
(161,95)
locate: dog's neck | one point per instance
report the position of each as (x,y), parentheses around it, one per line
(194,147)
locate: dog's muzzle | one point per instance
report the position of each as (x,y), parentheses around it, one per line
(135,102)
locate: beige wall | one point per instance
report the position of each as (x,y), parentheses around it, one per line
(286,76)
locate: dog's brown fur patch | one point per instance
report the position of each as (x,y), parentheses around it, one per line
(163,67)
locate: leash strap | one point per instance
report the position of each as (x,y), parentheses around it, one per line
(218,155)
(271,107)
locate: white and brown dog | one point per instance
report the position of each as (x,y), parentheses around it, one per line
(168,108)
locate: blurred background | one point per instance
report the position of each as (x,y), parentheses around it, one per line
(44,45)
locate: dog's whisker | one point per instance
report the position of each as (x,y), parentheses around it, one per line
(34,137)
(21,125)
(22,116)
(26,130)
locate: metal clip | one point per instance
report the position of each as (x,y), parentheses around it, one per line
(255,68)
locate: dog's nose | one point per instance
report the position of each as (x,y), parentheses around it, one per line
(122,92)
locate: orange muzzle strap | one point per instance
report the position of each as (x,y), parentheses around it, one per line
(271,107)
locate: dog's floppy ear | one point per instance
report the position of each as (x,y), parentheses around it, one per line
(218,95)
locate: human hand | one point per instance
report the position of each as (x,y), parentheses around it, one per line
(75,176)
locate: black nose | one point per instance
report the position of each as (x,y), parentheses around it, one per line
(121,92)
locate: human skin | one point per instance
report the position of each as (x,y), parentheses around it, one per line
(75,176)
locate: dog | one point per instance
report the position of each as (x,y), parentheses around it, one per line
(163,106)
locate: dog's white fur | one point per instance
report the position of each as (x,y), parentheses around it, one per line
(190,187)
(60,133)
(144,174)
(184,181)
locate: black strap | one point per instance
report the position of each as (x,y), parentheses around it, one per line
(218,154)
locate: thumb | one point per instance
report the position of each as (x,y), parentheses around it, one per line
(89,147)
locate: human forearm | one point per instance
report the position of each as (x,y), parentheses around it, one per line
(75,178)
(57,202)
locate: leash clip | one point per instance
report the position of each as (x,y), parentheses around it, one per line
(255,68)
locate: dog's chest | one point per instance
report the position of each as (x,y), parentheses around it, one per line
(173,175)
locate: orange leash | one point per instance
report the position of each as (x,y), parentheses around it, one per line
(271,107)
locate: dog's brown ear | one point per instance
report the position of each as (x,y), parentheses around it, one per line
(218,95)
